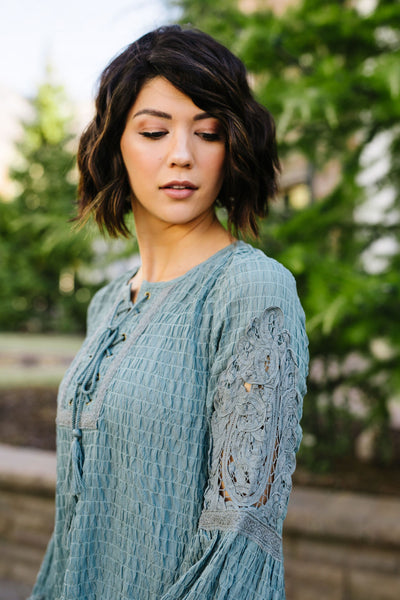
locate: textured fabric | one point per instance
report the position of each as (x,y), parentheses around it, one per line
(185,408)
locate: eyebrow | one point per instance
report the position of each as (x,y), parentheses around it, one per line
(164,115)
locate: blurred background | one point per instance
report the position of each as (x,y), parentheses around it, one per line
(330,74)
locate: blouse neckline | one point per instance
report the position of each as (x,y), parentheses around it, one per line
(148,287)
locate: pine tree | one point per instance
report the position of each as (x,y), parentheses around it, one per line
(41,254)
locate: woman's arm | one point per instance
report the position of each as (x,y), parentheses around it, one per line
(258,382)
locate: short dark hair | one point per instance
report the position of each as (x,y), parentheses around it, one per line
(215,80)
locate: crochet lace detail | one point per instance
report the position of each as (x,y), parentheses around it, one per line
(255,435)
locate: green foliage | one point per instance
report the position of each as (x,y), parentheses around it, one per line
(41,255)
(330,75)
(221,19)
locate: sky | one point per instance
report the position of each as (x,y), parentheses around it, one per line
(77,37)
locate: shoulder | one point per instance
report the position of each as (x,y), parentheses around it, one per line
(251,284)
(252,289)
(250,273)
(111,290)
(104,299)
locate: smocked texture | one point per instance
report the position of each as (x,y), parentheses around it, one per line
(177,428)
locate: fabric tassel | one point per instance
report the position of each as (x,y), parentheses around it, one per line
(73,483)
(77,485)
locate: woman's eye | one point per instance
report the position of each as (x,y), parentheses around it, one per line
(153,135)
(210,137)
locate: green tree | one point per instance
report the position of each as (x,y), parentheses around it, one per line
(329,74)
(40,254)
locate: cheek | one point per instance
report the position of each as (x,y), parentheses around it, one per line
(133,160)
(143,158)
(214,162)
(219,165)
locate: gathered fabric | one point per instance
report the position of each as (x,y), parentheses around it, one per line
(177,427)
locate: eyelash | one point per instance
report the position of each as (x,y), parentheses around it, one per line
(153,135)
(210,137)
(156,135)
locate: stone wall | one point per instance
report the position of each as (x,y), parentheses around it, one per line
(27,486)
(342,546)
(338,545)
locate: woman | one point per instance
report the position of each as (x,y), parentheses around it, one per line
(183,404)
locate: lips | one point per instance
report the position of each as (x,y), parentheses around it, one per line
(179,185)
(179,190)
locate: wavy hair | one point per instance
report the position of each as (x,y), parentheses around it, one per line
(216,81)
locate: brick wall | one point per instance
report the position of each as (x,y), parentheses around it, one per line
(338,545)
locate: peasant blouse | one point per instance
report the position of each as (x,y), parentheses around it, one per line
(177,429)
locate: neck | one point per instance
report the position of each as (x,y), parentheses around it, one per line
(169,251)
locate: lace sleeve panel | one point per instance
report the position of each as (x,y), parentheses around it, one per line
(255,435)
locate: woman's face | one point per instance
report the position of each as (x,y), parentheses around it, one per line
(174,154)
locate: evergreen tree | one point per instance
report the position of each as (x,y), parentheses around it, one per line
(330,75)
(41,255)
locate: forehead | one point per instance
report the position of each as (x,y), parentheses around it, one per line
(159,93)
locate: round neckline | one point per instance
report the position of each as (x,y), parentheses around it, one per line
(146,285)
(161,284)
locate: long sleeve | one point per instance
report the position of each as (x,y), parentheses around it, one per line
(189,407)
(257,384)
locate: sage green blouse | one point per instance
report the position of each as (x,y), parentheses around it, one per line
(177,428)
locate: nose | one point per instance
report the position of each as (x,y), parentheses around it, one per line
(180,151)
